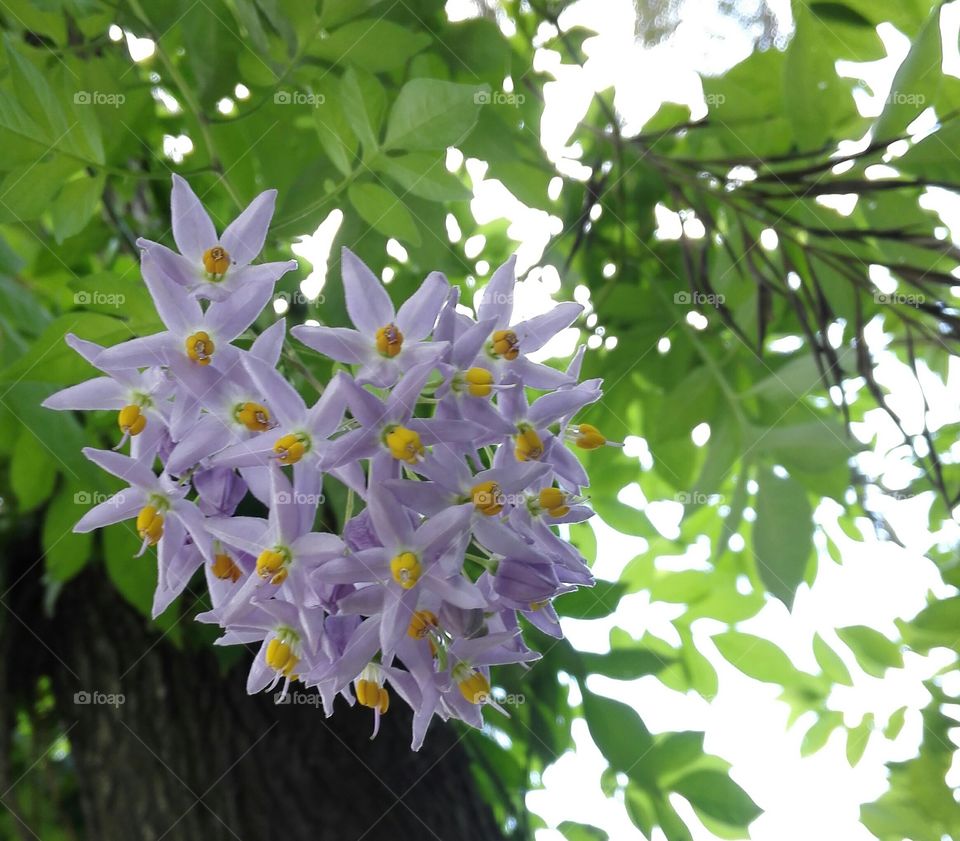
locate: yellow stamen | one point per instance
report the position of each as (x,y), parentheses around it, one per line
(371,694)
(290,448)
(487,498)
(150,524)
(506,344)
(216,261)
(271,566)
(529,446)
(280,657)
(538,605)
(225,568)
(404,444)
(131,420)
(475,688)
(253,416)
(480,382)
(554,502)
(405,568)
(200,347)
(589,437)
(422,623)
(389,340)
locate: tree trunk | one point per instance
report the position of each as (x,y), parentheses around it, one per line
(189,755)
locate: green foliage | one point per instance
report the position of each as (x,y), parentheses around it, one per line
(351,107)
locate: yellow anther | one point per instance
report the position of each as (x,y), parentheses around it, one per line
(404,444)
(479,382)
(225,568)
(554,502)
(588,437)
(216,261)
(529,446)
(131,420)
(506,344)
(150,524)
(253,416)
(538,605)
(405,569)
(487,498)
(200,347)
(271,566)
(422,623)
(475,688)
(280,657)
(389,340)
(290,448)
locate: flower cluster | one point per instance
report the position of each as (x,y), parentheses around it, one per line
(462,479)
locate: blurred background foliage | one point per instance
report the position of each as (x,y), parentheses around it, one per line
(754,318)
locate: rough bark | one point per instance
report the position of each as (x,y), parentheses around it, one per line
(189,755)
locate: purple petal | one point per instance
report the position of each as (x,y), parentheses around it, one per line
(497,299)
(439,532)
(192,229)
(403,399)
(123,467)
(269,344)
(390,521)
(282,398)
(325,415)
(540,377)
(456,590)
(468,344)
(178,309)
(558,404)
(418,314)
(396,619)
(246,533)
(535,332)
(368,303)
(426,498)
(209,435)
(98,393)
(228,319)
(121,506)
(244,237)
(366,407)
(340,343)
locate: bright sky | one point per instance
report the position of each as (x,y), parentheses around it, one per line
(817,797)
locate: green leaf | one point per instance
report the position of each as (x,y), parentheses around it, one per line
(581,832)
(819,733)
(65,552)
(363,99)
(857,739)
(33,471)
(874,652)
(135,578)
(383,211)
(431,114)
(424,175)
(617,730)
(591,602)
(716,795)
(757,658)
(782,534)
(75,205)
(830,662)
(895,723)
(376,44)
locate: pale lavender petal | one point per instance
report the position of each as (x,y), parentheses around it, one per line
(123,467)
(403,399)
(121,506)
(326,414)
(207,437)
(396,619)
(551,407)
(497,299)
(259,274)
(426,498)
(244,237)
(437,533)
(282,399)
(192,229)
(228,319)
(141,352)
(534,333)
(540,377)
(418,314)
(88,350)
(456,590)
(98,393)
(246,533)
(269,344)
(168,263)
(469,343)
(366,407)
(340,343)
(317,546)
(368,303)
(435,431)
(391,521)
